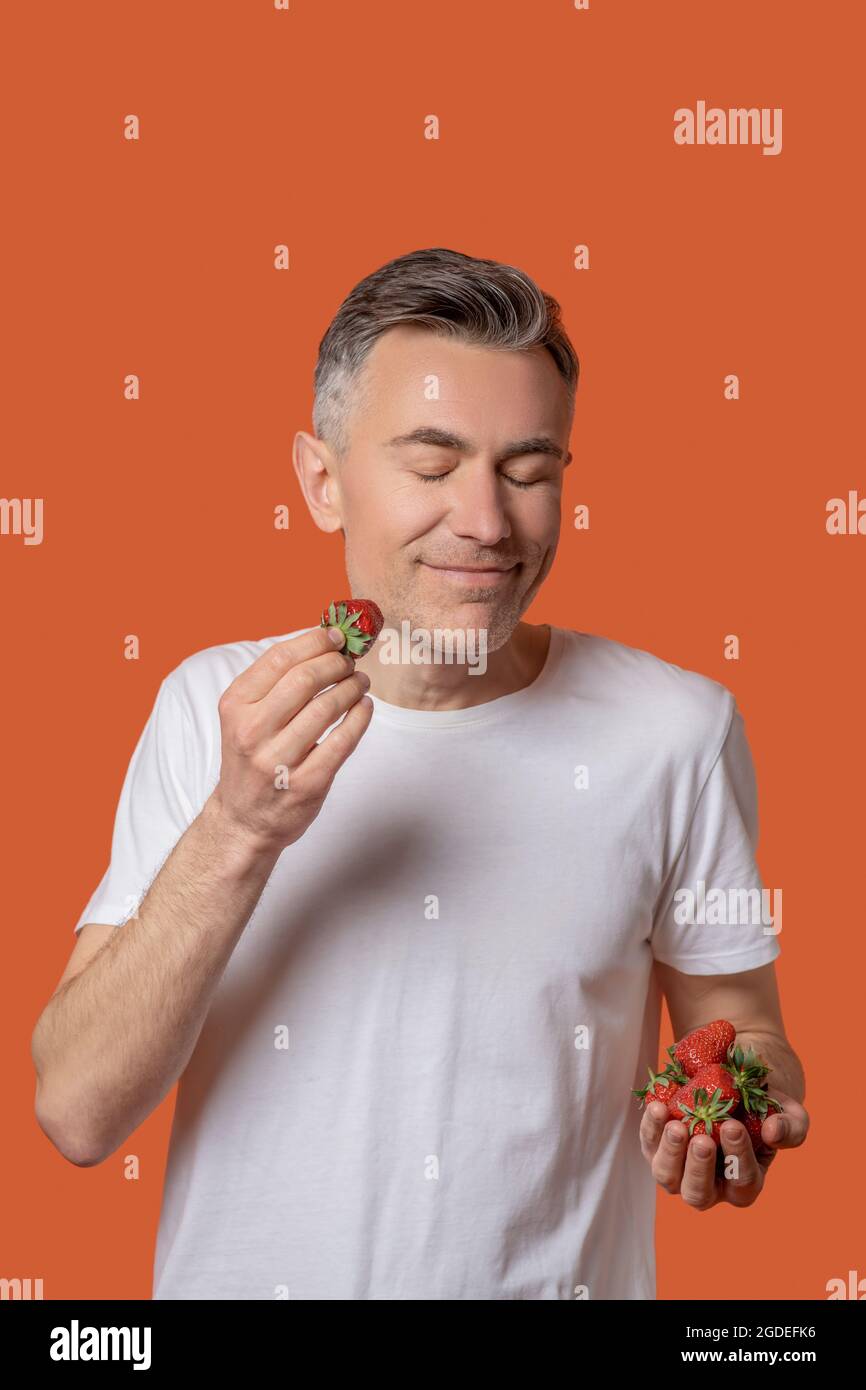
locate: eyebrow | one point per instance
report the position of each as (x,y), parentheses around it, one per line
(444,439)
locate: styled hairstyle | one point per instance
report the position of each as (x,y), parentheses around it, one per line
(478,301)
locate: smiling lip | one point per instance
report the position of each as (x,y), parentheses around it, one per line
(467,575)
(472,569)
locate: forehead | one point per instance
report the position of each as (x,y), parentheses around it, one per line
(413,376)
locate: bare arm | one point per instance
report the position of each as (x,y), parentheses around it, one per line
(114,1038)
(750,1001)
(117,1034)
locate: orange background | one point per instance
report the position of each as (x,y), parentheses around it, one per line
(707,516)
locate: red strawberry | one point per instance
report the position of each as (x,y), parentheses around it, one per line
(662,1086)
(708,1099)
(716,1076)
(753,1123)
(754,1119)
(704,1045)
(361,620)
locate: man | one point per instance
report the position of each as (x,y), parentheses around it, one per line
(405,950)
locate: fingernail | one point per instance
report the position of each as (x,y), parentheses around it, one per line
(676,1134)
(336,635)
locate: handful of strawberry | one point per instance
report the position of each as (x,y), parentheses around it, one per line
(359,618)
(709,1079)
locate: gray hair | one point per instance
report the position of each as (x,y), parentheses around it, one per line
(477,301)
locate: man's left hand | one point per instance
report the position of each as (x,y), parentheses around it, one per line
(687,1166)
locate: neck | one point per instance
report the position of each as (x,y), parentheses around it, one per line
(443,685)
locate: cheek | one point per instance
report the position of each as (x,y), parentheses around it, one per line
(408,511)
(385,520)
(542,515)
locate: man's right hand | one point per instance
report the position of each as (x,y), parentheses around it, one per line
(273,778)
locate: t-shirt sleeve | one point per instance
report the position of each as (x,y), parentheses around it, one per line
(157,804)
(712,916)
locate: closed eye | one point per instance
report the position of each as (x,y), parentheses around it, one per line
(437,477)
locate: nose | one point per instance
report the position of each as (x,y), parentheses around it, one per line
(477,511)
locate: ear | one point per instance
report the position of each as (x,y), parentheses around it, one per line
(317,474)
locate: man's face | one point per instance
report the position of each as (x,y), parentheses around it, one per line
(414,511)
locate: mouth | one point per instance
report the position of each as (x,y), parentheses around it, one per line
(474,574)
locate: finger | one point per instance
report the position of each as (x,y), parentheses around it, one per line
(667,1165)
(295,689)
(327,758)
(743,1177)
(652,1123)
(785,1129)
(317,715)
(263,674)
(698,1187)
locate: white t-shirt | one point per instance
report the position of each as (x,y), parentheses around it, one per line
(460,953)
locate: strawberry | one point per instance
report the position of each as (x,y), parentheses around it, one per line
(361,620)
(708,1098)
(716,1076)
(753,1123)
(754,1119)
(704,1045)
(662,1086)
